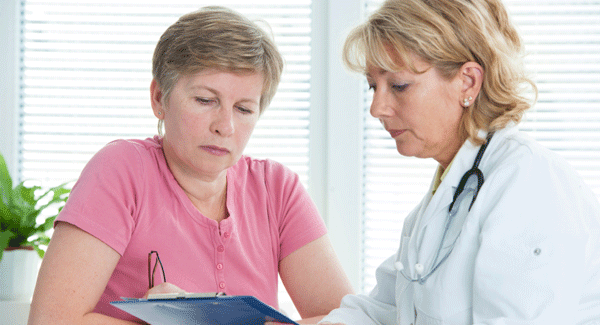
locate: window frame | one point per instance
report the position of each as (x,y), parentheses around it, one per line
(9,88)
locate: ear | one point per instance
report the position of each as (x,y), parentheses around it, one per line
(156,100)
(471,76)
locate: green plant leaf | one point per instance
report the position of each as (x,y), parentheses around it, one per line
(42,239)
(5,237)
(59,196)
(23,205)
(47,225)
(5,215)
(39,251)
(5,181)
(25,194)
(20,208)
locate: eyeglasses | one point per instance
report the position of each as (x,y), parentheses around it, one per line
(153,262)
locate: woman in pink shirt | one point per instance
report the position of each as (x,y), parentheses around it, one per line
(220,221)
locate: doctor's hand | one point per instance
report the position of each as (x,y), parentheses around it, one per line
(164,287)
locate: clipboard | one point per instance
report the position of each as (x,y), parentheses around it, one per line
(213,309)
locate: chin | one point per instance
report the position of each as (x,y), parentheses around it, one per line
(406,151)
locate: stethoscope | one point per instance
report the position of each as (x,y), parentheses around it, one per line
(422,276)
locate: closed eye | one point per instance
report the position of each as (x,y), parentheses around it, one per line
(204,101)
(245,110)
(400,88)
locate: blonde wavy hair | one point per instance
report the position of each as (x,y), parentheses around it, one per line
(447,34)
(219,38)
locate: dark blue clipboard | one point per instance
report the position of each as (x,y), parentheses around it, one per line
(220,310)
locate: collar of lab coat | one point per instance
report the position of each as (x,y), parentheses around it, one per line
(464,159)
(462,162)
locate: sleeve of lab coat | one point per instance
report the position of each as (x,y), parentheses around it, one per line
(379,307)
(529,268)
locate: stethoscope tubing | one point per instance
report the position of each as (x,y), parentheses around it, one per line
(452,210)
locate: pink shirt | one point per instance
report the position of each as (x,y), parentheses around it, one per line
(127,197)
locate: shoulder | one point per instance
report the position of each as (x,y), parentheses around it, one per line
(132,147)
(530,184)
(519,156)
(129,151)
(123,160)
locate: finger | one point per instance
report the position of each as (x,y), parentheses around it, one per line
(164,288)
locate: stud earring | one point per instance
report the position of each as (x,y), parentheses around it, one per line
(159,113)
(467,101)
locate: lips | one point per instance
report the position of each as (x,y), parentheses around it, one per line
(395,133)
(214,150)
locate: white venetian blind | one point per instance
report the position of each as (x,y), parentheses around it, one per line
(86,71)
(562,39)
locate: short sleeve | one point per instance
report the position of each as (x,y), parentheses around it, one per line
(299,220)
(103,200)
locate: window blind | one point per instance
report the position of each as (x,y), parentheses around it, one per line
(86,71)
(562,40)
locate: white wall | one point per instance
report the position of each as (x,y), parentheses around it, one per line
(9,83)
(344,142)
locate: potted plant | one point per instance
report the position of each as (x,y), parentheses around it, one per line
(26,214)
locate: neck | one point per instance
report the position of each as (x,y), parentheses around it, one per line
(210,200)
(207,193)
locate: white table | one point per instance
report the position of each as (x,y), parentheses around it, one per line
(14,312)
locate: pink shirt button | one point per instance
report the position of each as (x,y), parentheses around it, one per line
(222,285)
(219,266)
(226,235)
(220,249)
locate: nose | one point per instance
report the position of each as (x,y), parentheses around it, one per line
(223,122)
(381,104)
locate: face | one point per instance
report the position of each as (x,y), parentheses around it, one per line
(422,112)
(209,117)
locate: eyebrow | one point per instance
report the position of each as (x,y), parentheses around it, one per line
(379,71)
(216,92)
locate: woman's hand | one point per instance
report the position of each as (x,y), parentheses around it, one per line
(163,288)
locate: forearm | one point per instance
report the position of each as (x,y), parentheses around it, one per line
(59,317)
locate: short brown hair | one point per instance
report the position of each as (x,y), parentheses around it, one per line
(448,34)
(216,38)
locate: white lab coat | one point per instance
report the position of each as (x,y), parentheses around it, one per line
(528,250)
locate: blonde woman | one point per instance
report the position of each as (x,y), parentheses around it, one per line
(185,210)
(508,233)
